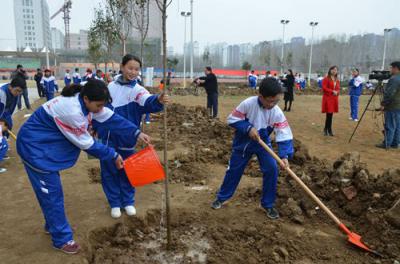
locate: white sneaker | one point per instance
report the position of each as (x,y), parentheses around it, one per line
(116,212)
(350,118)
(130,210)
(355,120)
(3,170)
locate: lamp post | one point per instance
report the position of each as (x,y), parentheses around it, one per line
(191,40)
(313,25)
(185,15)
(385,31)
(284,22)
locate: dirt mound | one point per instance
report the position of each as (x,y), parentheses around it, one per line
(94,175)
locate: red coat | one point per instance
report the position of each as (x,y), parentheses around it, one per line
(330,102)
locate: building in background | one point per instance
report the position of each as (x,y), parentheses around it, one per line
(79,41)
(57,39)
(196,49)
(155,23)
(32,24)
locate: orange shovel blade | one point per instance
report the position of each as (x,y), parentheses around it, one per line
(355,239)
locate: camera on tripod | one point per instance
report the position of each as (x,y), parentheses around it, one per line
(380,75)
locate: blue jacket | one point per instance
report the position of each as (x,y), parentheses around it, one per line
(76,78)
(8,102)
(67,79)
(51,139)
(131,101)
(49,84)
(355,86)
(249,114)
(252,80)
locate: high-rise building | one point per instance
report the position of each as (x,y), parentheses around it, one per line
(57,39)
(196,49)
(155,23)
(79,41)
(32,24)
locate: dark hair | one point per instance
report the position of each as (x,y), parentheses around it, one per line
(5,122)
(38,69)
(76,69)
(95,90)
(290,71)
(19,66)
(252,71)
(331,68)
(98,70)
(128,57)
(395,64)
(208,68)
(18,82)
(270,87)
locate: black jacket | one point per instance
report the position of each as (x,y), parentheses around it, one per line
(211,83)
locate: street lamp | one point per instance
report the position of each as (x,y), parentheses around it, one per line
(284,22)
(185,15)
(191,40)
(385,31)
(313,25)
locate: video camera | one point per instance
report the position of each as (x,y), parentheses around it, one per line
(380,75)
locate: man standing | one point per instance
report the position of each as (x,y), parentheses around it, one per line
(391,105)
(355,87)
(210,83)
(38,77)
(20,73)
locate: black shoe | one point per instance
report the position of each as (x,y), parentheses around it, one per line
(326,132)
(382,146)
(330,133)
(288,110)
(217,204)
(284,110)
(272,213)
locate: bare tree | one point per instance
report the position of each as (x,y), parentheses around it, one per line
(141,21)
(121,13)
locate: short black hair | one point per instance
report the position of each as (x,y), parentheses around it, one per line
(270,87)
(18,82)
(129,57)
(208,68)
(5,122)
(19,66)
(395,64)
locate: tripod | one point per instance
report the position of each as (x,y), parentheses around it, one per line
(379,88)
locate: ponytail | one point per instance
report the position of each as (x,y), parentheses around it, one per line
(71,90)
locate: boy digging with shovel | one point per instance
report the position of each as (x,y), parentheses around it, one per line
(257,116)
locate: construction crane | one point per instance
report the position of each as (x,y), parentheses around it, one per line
(66,8)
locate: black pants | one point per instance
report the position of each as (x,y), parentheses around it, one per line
(26,99)
(212,104)
(40,89)
(290,105)
(328,122)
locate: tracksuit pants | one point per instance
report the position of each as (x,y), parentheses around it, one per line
(116,186)
(48,189)
(354,99)
(392,128)
(238,163)
(212,104)
(49,95)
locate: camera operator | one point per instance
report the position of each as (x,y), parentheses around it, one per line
(391,106)
(210,83)
(21,73)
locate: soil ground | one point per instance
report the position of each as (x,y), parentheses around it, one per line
(240,231)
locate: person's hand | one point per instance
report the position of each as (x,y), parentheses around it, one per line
(382,108)
(145,138)
(119,162)
(284,164)
(335,93)
(163,98)
(253,134)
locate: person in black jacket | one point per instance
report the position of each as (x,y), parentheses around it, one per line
(210,83)
(38,77)
(288,96)
(21,73)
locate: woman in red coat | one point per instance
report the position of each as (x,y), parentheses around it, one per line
(330,98)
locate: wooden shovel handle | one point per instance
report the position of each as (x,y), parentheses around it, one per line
(12,135)
(300,182)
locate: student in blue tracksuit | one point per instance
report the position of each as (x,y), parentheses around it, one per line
(76,77)
(67,78)
(49,84)
(131,101)
(8,99)
(355,90)
(257,116)
(252,80)
(51,140)
(3,141)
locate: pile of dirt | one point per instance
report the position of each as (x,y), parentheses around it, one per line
(94,175)
(223,90)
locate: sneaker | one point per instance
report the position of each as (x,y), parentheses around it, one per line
(382,146)
(130,210)
(350,118)
(116,212)
(355,120)
(3,170)
(71,247)
(272,213)
(6,157)
(147,122)
(217,204)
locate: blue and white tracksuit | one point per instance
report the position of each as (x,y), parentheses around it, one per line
(98,78)
(131,101)
(252,81)
(355,90)
(67,79)
(49,86)
(3,146)
(8,102)
(76,78)
(51,140)
(320,82)
(250,113)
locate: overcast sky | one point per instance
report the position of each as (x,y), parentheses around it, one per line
(242,21)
